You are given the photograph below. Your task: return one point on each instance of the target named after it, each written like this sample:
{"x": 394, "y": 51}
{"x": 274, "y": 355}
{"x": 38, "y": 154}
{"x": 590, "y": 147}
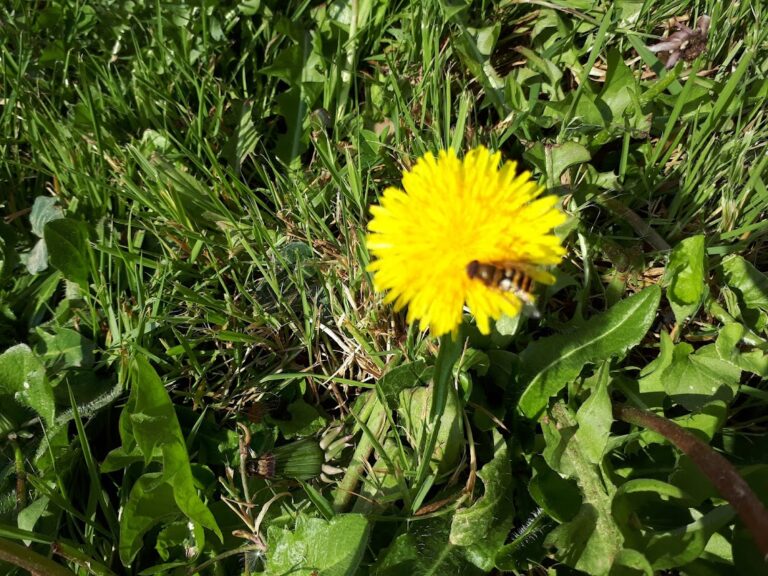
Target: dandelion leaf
{"x": 550, "y": 363}
{"x": 329, "y": 547}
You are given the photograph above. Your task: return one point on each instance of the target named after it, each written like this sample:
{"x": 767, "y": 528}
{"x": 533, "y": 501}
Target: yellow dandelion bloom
{"x": 451, "y": 213}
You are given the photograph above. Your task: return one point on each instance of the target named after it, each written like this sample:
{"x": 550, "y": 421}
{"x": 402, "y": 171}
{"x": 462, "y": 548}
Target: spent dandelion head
{"x": 453, "y": 214}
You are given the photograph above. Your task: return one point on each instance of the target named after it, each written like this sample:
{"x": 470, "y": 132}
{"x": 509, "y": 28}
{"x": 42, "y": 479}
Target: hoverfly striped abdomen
{"x": 507, "y": 276}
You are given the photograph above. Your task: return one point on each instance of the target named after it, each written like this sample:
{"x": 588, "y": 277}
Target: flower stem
{"x": 449, "y": 353}
{"x": 715, "y": 467}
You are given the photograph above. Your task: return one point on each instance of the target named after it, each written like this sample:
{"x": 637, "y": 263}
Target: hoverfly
{"x": 516, "y": 278}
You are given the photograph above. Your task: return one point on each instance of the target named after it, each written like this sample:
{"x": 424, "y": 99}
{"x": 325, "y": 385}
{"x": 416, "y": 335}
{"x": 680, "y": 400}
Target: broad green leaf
{"x": 67, "y": 242}
{"x": 414, "y": 407}
{"x": 474, "y": 523}
{"x": 620, "y": 89}
{"x": 750, "y": 286}
{"x": 408, "y": 375}
{"x": 65, "y": 348}
{"x": 331, "y": 548}
{"x": 28, "y": 517}
{"x": 244, "y": 137}
{"x": 630, "y": 498}
{"x": 550, "y": 363}
{"x": 554, "y": 159}
{"x": 729, "y": 348}
{"x": 484, "y": 526}
{"x": 651, "y": 381}
{"x": 120, "y": 458}
{"x": 631, "y": 563}
{"x": 591, "y": 540}
{"x": 746, "y": 557}
{"x": 424, "y": 550}
{"x": 150, "y": 502}
{"x": 22, "y": 376}
{"x": 685, "y": 277}
{"x": 559, "y": 497}
{"x": 45, "y": 209}
{"x": 560, "y": 157}
{"x": 595, "y": 418}
{"x": 451, "y": 8}
{"x": 150, "y": 419}
{"x": 694, "y": 379}
{"x": 305, "y": 420}
{"x": 180, "y": 541}
{"x": 678, "y": 547}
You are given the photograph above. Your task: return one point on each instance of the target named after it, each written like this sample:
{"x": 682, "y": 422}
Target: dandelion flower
{"x": 451, "y": 213}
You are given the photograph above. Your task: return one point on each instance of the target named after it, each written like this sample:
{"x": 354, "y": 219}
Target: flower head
{"x": 450, "y": 214}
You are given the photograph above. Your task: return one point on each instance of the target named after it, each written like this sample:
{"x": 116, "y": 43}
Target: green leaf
{"x": 22, "y": 375}
{"x": 678, "y": 547}
{"x": 729, "y": 348}
{"x": 595, "y": 418}
{"x": 44, "y": 210}
{"x": 150, "y": 419}
{"x": 244, "y": 137}
{"x": 330, "y": 548}
{"x": 305, "y": 420}
{"x": 750, "y": 286}
{"x": 485, "y": 525}
{"x": 150, "y": 502}
{"x": 64, "y": 349}
{"x": 474, "y": 523}
{"x": 620, "y": 89}
{"x": 414, "y": 409}
{"x": 631, "y": 500}
{"x": 630, "y": 562}
{"x": 180, "y": 541}
{"x": 408, "y": 375}
{"x": 67, "y": 242}
{"x": 554, "y": 159}
{"x": 559, "y": 497}
{"x": 424, "y": 550}
{"x": 591, "y": 540}
{"x": 694, "y": 379}
{"x": 28, "y": 517}
{"x": 685, "y": 276}
{"x": 651, "y": 382}
{"x": 550, "y": 363}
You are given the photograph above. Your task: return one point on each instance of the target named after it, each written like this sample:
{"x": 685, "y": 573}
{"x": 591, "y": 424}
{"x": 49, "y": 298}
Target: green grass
{"x": 214, "y": 162}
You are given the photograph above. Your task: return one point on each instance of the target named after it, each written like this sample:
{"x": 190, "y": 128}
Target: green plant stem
{"x": 715, "y": 467}
{"x": 21, "y": 473}
{"x": 82, "y": 560}
{"x": 449, "y": 353}
{"x": 373, "y": 414}
{"x": 28, "y": 559}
